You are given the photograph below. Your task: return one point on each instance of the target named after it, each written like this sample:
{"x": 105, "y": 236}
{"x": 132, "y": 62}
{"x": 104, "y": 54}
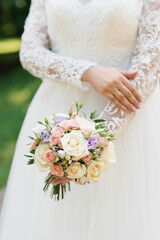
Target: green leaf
{"x": 31, "y": 137}
{"x": 46, "y": 120}
{"x": 30, "y": 162}
{"x": 93, "y": 115}
{"x": 99, "y": 120}
{"x": 42, "y": 123}
{"x": 33, "y": 151}
{"x": 81, "y": 161}
{"x": 27, "y": 155}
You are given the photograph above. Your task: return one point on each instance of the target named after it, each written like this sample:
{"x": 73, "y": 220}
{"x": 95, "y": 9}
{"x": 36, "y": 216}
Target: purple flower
{"x": 45, "y": 137}
{"x": 92, "y": 142}
{"x": 58, "y": 119}
{"x": 73, "y": 161}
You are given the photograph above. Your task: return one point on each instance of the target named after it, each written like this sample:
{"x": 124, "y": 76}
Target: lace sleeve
{"x": 39, "y": 60}
{"x": 145, "y": 59}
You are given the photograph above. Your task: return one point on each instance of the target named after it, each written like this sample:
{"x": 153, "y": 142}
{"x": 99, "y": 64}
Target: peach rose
{"x": 54, "y": 139}
{"x": 103, "y": 141}
{"x": 65, "y": 124}
{"x": 74, "y": 115}
{"x": 33, "y": 145}
{"x": 49, "y": 156}
{"x": 87, "y": 159}
{"x": 57, "y": 170}
{"x": 57, "y": 131}
{"x": 74, "y": 124}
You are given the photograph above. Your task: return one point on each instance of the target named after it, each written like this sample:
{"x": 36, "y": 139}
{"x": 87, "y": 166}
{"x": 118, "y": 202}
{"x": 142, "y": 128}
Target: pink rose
{"x": 87, "y": 159}
{"x": 60, "y": 143}
{"x": 54, "y": 139}
{"x": 74, "y": 115}
{"x": 50, "y": 145}
{"x": 33, "y": 145}
{"x": 85, "y": 131}
{"x": 49, "y": 156}
{"x": 57, "y": 170}
{"x": 57, "y": 131}
{"x": 65, "y": 124}
{"x": 74, "y": 124}
{"x": 103, "y": 141}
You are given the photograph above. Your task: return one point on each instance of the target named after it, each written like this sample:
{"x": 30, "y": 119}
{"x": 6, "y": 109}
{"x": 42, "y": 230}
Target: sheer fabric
{"x": 39, "y": 60}
{"x": 124, "y": 204}
{"x": 146, "y": 59}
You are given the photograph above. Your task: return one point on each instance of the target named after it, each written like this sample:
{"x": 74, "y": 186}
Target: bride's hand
{"x": 114, "y": 85}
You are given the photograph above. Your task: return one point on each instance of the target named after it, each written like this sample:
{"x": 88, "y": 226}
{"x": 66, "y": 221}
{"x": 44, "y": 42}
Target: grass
{"x": 9, "y": 45}
{"x": 17, "y": 88}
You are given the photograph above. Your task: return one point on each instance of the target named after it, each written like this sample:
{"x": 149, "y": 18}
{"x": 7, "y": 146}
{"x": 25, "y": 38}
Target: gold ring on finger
{"x": 116, "y": 92}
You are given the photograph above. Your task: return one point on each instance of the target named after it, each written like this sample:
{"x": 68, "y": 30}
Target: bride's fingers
{"x": 113, "y": 99}
{"x": 128, "y": 74}
{"x": 129, "y": 95}
{"x": 134, "y": 91}
{"x": 123, "y": 100}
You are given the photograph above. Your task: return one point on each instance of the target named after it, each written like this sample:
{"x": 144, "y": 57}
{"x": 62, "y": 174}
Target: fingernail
{"x": 141, "y": 99}
{"x": 133, "y": 109}
{"x": 138, "y": 105}
{"x": 124, "y": 108}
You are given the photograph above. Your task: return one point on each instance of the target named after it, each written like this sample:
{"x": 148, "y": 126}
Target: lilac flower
{"x": 58, "y": 119}
{"x": 92, "y": 142}
{"x": 73, "y": 161}
{"x": 45, "y": 137}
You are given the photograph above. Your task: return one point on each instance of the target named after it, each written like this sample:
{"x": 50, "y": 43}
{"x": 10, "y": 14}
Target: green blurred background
{"x": 17, "y": 86}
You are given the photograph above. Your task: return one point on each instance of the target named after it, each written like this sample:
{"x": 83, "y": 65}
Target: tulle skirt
{"x": 123, "y": 205}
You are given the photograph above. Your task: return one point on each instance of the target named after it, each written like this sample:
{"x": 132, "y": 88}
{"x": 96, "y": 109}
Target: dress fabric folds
{"x": 61, "y": 40}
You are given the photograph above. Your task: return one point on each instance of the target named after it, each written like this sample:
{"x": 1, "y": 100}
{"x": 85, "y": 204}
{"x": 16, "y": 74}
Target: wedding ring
{"x": 116, "y": 92}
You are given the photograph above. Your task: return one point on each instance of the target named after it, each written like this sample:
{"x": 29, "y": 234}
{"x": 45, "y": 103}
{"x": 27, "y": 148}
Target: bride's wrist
{"x": 87, "y": 75}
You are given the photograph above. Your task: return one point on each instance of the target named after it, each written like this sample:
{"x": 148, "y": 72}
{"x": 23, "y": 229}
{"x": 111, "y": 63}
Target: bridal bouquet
{"x": 72, "y": 146}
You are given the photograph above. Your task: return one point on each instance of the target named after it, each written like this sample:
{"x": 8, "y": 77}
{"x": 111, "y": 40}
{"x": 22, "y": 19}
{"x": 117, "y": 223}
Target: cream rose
{"x": 85, "y": 124}
{"x": 39, "y": 157}
{"x": 108, "y": 155}
{"x": 76, "y": 170}
{"x": 75, "y": 145}
{"x": 95, "y": 171}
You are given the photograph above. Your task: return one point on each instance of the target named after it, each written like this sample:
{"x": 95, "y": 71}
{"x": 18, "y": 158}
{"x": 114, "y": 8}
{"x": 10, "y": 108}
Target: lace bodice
{"x": 62, "y": 39}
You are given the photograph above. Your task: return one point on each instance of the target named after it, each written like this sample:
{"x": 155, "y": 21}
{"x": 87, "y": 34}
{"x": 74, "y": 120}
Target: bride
{"x": 105, "y": 54}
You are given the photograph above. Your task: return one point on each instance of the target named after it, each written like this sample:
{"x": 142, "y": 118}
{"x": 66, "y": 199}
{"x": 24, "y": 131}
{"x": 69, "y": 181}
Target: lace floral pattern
{"x": 146, "y": 59}
{"x": 39, "y": 60}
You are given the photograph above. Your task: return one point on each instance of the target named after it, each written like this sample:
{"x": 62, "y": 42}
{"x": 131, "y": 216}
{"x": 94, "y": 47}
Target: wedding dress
{"x": 62, "y": 39}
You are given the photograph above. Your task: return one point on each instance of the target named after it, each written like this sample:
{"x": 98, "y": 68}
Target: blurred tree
{"x": 12, "y": 16}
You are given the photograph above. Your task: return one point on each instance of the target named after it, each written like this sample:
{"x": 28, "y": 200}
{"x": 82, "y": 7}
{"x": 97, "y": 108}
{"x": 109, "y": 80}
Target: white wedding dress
{"x": 61, "y": 39}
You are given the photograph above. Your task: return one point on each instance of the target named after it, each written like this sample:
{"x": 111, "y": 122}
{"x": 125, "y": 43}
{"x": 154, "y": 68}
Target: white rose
{"x": 61, "y": 154}
{"x": 39, "y": 157}
{"x": 95, "y": 171}
{"x": 75, "y": 145}
{"x": 76, "y": 170}
{"x": 109, "y": 155}
{"x": 85, "y": 124}
{"x": 38, "y": 129}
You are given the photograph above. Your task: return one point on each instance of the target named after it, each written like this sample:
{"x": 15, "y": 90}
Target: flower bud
{"x": 67, "y": 157}
{"x": 71, "y": 110}
{"x": 103, "y": 134}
